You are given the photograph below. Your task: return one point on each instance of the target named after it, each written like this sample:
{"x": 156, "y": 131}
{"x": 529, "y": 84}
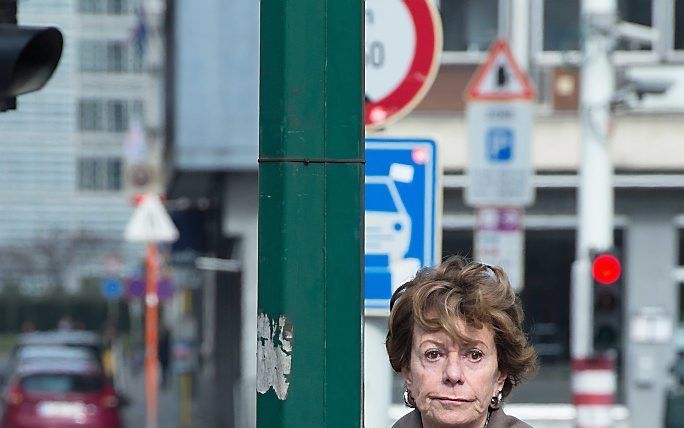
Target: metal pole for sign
{"x": 150, "y": 223}
{"x": 151, "y": 336}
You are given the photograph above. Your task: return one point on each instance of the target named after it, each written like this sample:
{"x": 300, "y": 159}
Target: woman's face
{"x": 451, "y": 382}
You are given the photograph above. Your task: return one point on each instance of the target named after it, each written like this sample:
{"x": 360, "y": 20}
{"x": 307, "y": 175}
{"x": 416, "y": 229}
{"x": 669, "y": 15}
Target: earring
{"x": 408, "y": 400}
{"x": 497, "y": 401}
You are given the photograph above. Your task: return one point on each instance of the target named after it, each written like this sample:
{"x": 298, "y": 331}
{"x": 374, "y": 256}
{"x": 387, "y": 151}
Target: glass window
{"x": 117, "y": 116}
{"x": 469, "y": 25}
{"x": 62, "y": 383}
{"x": 113, "y": 171}
{"x": 115, "y": 62}
{"x": 112, "y": 115}
{"x": 116, "y": 6}
{"x": 99, "y": 174}
{"x": 90, "y": 115}
{"x": 637, "y": 12}
{"x": 679, "y": 25}
{"x": 112, "y": 7}
{"x": 91, "y": 6}
{"x": 86, "y": 174}
{"x": 561, "y": 25}
{"x": 99, "y": 56}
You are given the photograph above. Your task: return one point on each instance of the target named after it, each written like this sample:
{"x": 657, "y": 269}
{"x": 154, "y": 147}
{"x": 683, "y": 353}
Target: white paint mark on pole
{"x": 274, "y": 355}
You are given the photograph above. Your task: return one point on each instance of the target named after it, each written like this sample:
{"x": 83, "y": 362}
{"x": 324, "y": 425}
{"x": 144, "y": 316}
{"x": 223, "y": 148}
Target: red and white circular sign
{"x": 403, "y": 47}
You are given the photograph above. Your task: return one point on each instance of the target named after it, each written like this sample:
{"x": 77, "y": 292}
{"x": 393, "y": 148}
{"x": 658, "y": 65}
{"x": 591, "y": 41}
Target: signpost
{"x": 150, "y": 223}
{"x": 500, "y": 240}
{"x": 403, "y": 48}
{"x": 500, "y": 116}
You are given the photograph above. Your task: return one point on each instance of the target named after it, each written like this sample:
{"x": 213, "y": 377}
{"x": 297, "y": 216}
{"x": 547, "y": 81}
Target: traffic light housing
{"x": 28, "y": 55}
{"x": 606, "y": 274}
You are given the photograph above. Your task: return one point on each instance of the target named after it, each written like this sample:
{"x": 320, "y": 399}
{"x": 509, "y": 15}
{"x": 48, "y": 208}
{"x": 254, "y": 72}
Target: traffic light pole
{"x": 595, "y": 195}
{"x": 311, "y": 175}
{"x": 595, "y": 192}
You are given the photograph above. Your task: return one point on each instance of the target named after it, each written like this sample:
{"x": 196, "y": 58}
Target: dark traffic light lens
{"x": 605, "y": 337}
{"x": 606, "y": 301}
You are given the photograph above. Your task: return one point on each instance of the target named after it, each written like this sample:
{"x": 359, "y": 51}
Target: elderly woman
{"x": 455, "y": 335}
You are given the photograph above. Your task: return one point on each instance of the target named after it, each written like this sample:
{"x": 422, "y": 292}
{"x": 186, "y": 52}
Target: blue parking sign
{"x": 499, "y": 144}
{"x": 401, "y": 232}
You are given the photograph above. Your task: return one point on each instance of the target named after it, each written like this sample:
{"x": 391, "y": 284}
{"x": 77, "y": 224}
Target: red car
{"x": 60, "y": 394}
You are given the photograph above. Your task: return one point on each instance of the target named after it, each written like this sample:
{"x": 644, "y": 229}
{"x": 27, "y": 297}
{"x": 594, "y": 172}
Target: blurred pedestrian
{"x": 164, "y": 354}
{"x": 455, "y": 335}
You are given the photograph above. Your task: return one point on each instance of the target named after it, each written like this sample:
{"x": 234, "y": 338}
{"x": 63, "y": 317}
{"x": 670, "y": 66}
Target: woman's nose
{"x": 453, "y": 370}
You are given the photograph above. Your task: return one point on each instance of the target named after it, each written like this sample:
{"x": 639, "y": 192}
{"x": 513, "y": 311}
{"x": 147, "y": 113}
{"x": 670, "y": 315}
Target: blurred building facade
{"x": 67, "y": 149}
{"x": 212, "y": 185}
{"x": 649, "y": 174}
{"x": 212, "y": 118}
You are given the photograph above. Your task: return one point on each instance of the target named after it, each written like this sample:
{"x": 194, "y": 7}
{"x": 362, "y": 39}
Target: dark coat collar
{"x": 498, "y": 419}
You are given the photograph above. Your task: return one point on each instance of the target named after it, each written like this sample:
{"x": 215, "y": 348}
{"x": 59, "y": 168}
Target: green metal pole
{"x": 311, "y": 176}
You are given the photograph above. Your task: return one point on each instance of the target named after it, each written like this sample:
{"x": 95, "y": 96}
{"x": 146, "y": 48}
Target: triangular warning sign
{"x": 150, "y": 222}
{"x": 500, "y": 77}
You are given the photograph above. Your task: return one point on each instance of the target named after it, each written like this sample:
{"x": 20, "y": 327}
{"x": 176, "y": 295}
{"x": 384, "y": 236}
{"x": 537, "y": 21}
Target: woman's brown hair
{"x": 476, "y": 293}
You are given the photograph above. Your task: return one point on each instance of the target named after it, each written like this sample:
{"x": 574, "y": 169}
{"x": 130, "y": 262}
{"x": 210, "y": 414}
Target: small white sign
{"x": 499, "y": 158}
{"x": 499, "y": 241}
{"x": 150, "y": 222}
{"x": 651, "y": 324}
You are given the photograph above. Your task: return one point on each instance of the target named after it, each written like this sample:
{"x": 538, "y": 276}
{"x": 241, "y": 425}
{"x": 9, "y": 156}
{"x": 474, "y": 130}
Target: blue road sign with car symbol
{"x": 400, "y": 215}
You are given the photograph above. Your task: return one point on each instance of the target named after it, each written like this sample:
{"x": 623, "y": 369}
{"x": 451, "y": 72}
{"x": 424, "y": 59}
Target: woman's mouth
{"x": 454, "y": 399}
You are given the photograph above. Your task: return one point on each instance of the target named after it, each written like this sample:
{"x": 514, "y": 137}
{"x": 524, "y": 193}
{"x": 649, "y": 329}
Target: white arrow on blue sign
{"x": 402, "y": 231}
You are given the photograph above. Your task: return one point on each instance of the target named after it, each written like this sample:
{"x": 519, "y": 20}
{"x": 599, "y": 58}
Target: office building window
{"x": 91, "y": 115}
{"x": 99, "y": 174}
{"x": 679, "y": 25}
{"x": 111, "y": 7}
{"x": 637, "y": 12}
{"x": 561, "y": 25}
{"x": 107, "y": 115}
{"x": 469, "y": 25}
{"x": 102, "y": 56}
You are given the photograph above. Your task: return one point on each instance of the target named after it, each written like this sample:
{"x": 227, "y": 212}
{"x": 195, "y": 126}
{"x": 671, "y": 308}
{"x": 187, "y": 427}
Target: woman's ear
{"x": 406, "y": 375}
{"x": 501, "y": 380}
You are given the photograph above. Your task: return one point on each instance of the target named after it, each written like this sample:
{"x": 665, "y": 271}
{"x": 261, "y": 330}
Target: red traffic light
{"x": 606, "y": 269}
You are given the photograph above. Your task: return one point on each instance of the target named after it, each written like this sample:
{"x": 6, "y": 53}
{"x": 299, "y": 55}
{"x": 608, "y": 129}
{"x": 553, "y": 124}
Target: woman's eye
{"x": 474, "y": 355}
{"x": 432, "y": 355}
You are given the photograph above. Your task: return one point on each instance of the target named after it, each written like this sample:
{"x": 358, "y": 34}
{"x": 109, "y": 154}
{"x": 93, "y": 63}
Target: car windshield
{"x": 61, "y": 383}
{"x": 378, "y": 198}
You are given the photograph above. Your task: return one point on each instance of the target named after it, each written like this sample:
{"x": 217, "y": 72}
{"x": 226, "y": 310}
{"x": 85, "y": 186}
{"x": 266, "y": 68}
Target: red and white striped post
{"x": 593, "y": 391}
{"x": 594, "y": 378}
